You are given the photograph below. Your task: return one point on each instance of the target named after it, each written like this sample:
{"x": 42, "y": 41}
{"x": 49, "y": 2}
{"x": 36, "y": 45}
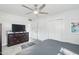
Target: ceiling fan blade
{"x": 43, "y": 12}
{"x": 35, "y": 6}
{"x": 28, "y": 13}
{"x": 27, "y": 7}
{"x": 41, "y": 7}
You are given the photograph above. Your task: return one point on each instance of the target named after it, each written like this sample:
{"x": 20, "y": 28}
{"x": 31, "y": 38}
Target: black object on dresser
{"x": 17, "y": 38}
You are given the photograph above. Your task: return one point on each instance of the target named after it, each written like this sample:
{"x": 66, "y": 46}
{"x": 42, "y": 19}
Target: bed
{"x": 51, "y": 47}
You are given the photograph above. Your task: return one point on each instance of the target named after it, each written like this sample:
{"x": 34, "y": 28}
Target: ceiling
{"x": 52, "y": 9}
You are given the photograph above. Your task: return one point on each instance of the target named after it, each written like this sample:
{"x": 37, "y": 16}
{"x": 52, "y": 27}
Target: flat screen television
{"x": 18, "y": 28}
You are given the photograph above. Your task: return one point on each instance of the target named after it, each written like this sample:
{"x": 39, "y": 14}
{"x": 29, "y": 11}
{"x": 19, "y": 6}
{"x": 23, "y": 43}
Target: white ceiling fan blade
{"x": 41, "y": 7}
{"x": 28, "y": 13}
{"x": 27, "y": 7}
{"x": 43, "y": 12}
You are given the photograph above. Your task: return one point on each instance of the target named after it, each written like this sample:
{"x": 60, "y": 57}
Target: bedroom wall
{"x": 7, "y": 20}
{"x": 57, "y": 27}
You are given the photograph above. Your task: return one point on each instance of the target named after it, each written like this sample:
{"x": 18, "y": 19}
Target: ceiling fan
{"x": 36, "y": 10}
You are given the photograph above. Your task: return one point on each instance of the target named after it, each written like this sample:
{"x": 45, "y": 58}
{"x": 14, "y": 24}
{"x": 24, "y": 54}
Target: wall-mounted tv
{"x": 18, "y": 28}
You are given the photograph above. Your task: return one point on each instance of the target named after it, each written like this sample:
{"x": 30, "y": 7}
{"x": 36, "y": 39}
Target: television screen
{"x": 18, "y": 28}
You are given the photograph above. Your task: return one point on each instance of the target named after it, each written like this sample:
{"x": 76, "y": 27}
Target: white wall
{"x": 7, "y": 20}
{"x": 58, "y": 27}
{"x": 51, "y": 27}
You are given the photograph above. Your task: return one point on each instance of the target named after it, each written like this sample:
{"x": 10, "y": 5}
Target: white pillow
{"x": 66, "y": 52}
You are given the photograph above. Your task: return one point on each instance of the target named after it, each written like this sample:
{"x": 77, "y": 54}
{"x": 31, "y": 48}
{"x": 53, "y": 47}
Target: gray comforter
{"x": 49, "y": 47}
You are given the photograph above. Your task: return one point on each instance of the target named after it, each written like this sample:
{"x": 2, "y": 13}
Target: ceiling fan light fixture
{"x": 36, "y": 12}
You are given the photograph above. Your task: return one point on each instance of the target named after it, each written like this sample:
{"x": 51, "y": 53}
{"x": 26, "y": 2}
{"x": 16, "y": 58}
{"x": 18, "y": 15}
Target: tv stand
{"x": 17, "y": 38}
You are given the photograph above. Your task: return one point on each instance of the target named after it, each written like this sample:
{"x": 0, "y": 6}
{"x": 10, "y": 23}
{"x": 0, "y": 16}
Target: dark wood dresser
{"x": 17, "y": 38}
